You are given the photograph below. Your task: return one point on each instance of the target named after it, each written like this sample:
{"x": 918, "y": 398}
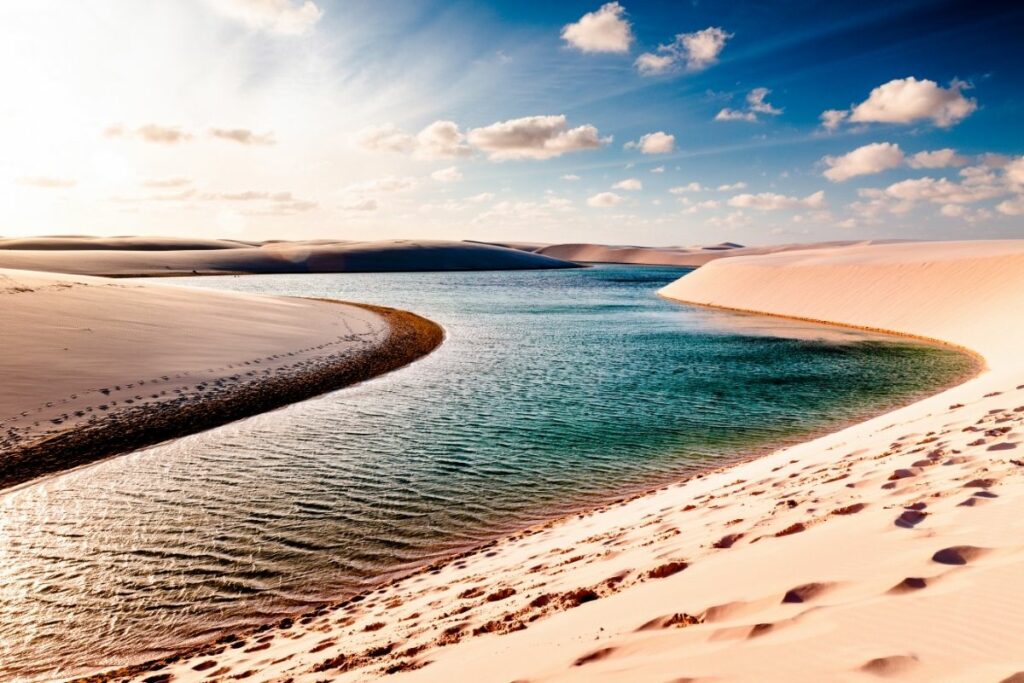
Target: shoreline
{"x": 409, "y": 338}
{"x": 814, "y": 562}
{"x": 217, "y": 644}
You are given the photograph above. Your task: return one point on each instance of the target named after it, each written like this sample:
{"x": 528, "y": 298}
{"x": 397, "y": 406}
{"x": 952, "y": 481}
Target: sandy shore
{"x": 94, "y": 367}
{"x": 166, "y": 256}
{"x": 890, "y": 549}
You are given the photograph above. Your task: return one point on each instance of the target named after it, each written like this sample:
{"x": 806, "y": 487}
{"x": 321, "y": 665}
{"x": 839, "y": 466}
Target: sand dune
{"x": 165, "y": 256}
{"x": 669, "y": 256}
{"x": 93, "y": 367}
{"x": 890, "y": 549}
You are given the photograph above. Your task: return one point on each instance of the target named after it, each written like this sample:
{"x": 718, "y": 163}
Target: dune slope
{"x": 890, "y": 549}
{"x": 127, "y": 257}
{"x": 93, "y": 367}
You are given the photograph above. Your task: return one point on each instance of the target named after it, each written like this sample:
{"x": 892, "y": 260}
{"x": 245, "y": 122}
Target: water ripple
{"x": 554, "y": 391}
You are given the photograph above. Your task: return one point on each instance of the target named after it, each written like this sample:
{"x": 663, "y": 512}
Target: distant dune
{"x": 137, "y": 256}
{"x": 663, "y": 256}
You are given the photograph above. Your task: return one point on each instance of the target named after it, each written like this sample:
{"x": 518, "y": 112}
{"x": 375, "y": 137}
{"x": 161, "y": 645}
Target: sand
{"x": 891, "y": 549}
{"x": 689, "y": 257}
{"x": 93, "y": 367}
{"x": 140, "y": 257}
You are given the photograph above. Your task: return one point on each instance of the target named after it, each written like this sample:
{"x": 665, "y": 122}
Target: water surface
{"x": 554, "y": 391}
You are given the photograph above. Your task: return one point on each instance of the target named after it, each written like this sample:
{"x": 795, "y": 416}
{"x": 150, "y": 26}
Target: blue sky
{"x": 514, "y": 120}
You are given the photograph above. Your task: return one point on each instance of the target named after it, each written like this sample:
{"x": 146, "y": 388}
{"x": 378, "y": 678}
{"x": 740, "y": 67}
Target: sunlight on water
{"x": 554, "y": 391}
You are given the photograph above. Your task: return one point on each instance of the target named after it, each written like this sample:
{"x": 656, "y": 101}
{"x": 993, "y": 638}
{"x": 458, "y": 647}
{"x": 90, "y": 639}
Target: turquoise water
{"x": 554, "y": 391}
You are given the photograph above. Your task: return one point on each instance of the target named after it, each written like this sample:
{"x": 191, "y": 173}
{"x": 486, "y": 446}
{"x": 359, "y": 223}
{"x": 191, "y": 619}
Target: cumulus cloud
{"x": 658, "y": 169}
{"x": 727, "y": 114}
{"x": 439, "y": 140}
{"x": 908, "y": 100}
{"x": 605, "y": 200}
{"x": 151, "y": 132}
{"x": 939, "y": 158}
{"x": 447, "y": 175}
{"x": 1013, "y": 171}
{"x": 534, "y": 137}
{"x": 604, "y": 30}
{"x": 658, "y": 142}
{"x": 285, "y": 17}
{"x": 728, "y": 187}
{"x": 1012, "y": 207}
{"x": 689, "y": 187}
{"x": 770, "y": 201}
{"x": 481, "y": 198}
{"x": 387, "y": 184}
{"x": 756, "y": 104}
{"x": 629, "y": 184}
{"x": 866, "y": 160}
{"x": 243, "y": 136}
{"x": 571, "y": 177}
{"x": 833, "y": 118}
{"x": 944, "y": 191}
{"x": 694, "y": 51}
{"x": 47, "y": 182}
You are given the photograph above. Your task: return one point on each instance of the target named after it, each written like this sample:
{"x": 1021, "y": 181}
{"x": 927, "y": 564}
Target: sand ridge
{"x": 890, "y": 549}
{"x": 95, "y": 367}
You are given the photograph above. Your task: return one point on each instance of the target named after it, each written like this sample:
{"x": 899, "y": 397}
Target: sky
{"x": 660, "y": 123}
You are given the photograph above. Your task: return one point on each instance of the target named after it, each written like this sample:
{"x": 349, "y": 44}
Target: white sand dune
{"x": 87, "y": 358}
{"x": 165, "y": 256}
{"x": 669, "y": 256}
{"x": 890, "y": 549}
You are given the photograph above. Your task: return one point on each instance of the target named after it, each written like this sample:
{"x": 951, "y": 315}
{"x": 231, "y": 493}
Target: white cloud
{"x": 534, "y": 137}
{"x": 447, "y": 175}
{"x": 604, "y": 30}
{"x": 699, "y": 206}
{"x": 277, "y": 16}
{"x": 629, "y": 184}
{"x": 944, "y": 191}
{"x": 696, "y": 51}
{"x": 939, "y": 158}
{"x": 969, "y": 215}
{"x": 832, "y": 118}
{"x": 1013, "y": 171}
{"x": 690, "y": 187}
{"x": 150, "y": 132}
{"x": 386, "y": 184}
{"x": 770, "y": 201}
{"x": 243, "y": 136}
{"x": 735, "y": 219}
{"x": 365, "y": 204}
{"x": 728, "y": 187}
{"x": 441, "y": 140}
{"x": 907, "y": 100}
{"x": 571, "y": 177}
{"x": 1012, "y": 207}
{"x": 727, "y": 114}
{"x": 658, "y": 169}
{"x": 481, "y": 198}
{"x": 658, "y": 142}
{"x": 866, "y": 160}
{"x": 47, "y": 182}
{"x": 756, "y": 102}
{"x": 605, "y": 200}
